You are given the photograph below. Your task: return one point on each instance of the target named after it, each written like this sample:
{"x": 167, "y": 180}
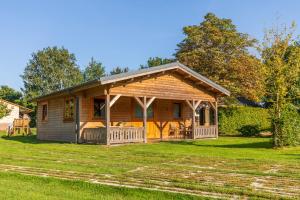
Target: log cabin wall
{"x": 54, "y": 127}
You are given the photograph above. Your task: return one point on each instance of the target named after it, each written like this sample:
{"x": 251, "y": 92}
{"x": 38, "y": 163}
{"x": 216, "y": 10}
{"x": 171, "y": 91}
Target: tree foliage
{"x": 93, "y": 70}
{"x": 156, "y": 61}
{"x": 9, "y": 94}
{"x": 215, "y": 49}
{"x": 49, "y": 70}
{"x": 4, "y": 111}
{"x": 119, "y": 70}
{"x": 281, "y": 57}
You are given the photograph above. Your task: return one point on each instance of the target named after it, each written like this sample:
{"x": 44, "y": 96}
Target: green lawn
{"x": 17, "y": 186}
{"x": 221, "y": 168}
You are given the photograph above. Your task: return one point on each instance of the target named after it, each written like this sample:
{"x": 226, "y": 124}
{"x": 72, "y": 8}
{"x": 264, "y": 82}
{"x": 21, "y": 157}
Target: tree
{"x": 49, "y": 70}
{"x": 281, "y": 57}
{"x": 94, "y": 70}
{"x": 10, "y": 94}
{"x": 295, "y": 91}
{"x": 119, "y": 70}
{"x": 215, "y": 49}
{"x": 156, "y": 61}
{"x": 4, "y": 111}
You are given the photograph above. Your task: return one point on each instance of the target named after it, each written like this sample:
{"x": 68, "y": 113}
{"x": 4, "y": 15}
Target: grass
{"x": 227, "y": 166}
{"x": 17, "y": 186}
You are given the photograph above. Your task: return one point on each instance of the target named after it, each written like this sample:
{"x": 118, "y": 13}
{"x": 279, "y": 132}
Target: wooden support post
{"x": 207, "y": 117}
{"x": 107, "y": 117}
{"x": 145, "y": 118}
{"x": 77, "y": 124}
{"x": 194, "y": 105}
{"x": 216, "y": 119}
{"x": 193, "y": 120}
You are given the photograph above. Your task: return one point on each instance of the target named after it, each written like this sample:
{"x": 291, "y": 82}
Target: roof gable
{"x": 167, "y": 85}
{"x": 196, "y": 77}
{"x": 161, "y": 68}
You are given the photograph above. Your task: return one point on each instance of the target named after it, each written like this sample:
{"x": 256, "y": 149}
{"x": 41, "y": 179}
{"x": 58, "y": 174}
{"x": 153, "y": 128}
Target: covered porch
{"x": 133, "y": 119}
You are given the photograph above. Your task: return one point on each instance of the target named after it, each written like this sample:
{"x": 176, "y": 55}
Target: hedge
{"x": 243, "y": 120}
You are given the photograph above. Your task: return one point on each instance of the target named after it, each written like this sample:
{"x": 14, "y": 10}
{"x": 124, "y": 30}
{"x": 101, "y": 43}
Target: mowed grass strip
{"x": 229, "y": 165}
{"x": 23, "y": 187}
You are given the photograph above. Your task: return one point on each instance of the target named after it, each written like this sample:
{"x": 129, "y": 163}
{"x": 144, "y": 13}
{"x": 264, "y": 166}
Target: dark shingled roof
{"x": 142, "y": 72}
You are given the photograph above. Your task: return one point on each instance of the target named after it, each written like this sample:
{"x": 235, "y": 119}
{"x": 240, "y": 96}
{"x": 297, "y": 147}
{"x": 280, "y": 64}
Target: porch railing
{"x": 206, "y": 132}
{"x": 119, "y": 135}
{"x": 94, "y": 135}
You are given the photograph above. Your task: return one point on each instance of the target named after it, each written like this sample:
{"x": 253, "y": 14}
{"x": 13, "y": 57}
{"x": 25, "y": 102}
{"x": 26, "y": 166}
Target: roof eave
{"x": 67, "y": 90}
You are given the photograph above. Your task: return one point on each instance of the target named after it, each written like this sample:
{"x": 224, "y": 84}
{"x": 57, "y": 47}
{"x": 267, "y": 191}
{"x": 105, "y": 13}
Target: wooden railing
{"x": 120, "y": 135}
{"x": 206, "y": 132}
{"x": 94, "y": 135}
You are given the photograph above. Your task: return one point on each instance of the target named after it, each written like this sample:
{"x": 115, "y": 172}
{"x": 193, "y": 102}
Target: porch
{"x": 158, "y": 119}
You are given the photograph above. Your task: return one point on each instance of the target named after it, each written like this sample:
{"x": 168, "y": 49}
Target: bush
{"x": 249, "y": 130}
{"x": 243, "y": 120}
{"x": 290, "y": 125}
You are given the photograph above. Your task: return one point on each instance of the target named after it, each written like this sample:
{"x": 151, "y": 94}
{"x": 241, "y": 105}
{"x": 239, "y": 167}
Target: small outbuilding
{"x": 165, "y": 102}
{"x": 15, "y": 112}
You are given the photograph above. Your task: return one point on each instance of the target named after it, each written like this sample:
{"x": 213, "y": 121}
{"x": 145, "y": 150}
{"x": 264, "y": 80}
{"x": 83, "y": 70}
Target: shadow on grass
{"x": 31, "y": 139}
{"x": 265, "y": 144}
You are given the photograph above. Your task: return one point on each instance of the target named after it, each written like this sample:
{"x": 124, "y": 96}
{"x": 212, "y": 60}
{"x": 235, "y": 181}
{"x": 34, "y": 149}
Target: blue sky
{"x": 119, "y": 33}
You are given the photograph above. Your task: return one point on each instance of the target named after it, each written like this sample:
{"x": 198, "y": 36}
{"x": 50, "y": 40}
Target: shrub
{"x": 290, "y": 119}
{"x": 249, "y": 130}
{"x": 243, "y": 120}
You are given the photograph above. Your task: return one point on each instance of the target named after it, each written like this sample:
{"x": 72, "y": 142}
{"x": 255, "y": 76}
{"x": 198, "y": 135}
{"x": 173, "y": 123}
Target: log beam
{"x": 150, "y": 102}
{"x": 139, "y": 101}
{"x": 113, "y": 101}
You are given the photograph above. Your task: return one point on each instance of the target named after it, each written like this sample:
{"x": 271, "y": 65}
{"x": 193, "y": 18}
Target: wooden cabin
{"x": 165, "y": 102}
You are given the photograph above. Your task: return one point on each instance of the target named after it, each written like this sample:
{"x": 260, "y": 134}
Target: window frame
{"x": 69, "y": 119}
{"x": 180, "y": 110}
{"x": 93, "y": 109}
{"x": 45, "y": 119}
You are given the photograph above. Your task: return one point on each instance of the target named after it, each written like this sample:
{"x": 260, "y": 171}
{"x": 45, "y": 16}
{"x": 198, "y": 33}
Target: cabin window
{"x": 201, "y": 114}
{"x": 44, "y": 112}
{"x": 99, "y": 108}
{"x": 139, "y": 112}
{"x": 177, "y": 110}
{"x": 69, "y": 109}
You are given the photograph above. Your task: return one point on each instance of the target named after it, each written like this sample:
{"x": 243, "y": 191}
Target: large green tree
{"x": 93, "y": 70}
{"x": 119, "y": 70}
{"x": 215, "y": 49}
{"x": 156, "y": 61}
{"x": 49, "y": 70}
{"x": 10, "y": 94}
{"x": 4, "y": 111}
{"x": 281, "y": 57}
